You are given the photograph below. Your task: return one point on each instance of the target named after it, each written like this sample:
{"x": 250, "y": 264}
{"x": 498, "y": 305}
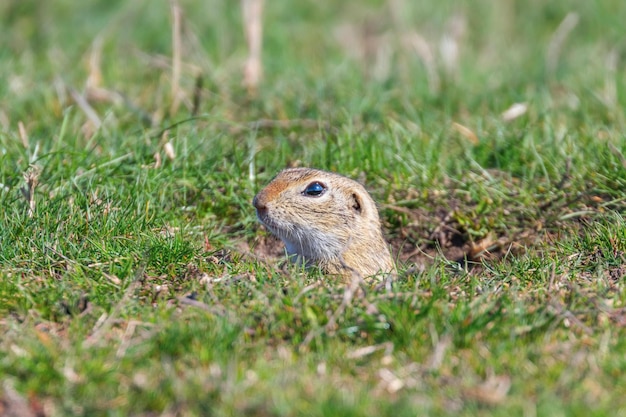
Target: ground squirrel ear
{"x": 356, "y": 203}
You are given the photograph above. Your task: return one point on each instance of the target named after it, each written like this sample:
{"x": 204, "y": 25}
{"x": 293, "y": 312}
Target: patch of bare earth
{"x": 265, "y": 246}
{"x": 435, "y": 229}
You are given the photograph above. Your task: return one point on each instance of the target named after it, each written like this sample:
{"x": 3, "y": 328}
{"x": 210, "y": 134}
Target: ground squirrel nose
{"x": 258, "y": 203}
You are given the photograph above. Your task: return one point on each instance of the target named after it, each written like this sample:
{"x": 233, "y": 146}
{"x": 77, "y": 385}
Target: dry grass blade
{"x": 516, "y": 110}
{"x": 439, "y": 352}
{"x": 424, "y": 52}
{"x": 128, "y": 336}
{"x": 94, "y": 79}
{"x": 82, "y": 103}
{"x": 368, "y": 45}
{"x": 558, "y": 40}
{"x": 31, "y": 176}
{"x": 176, "y": 55}
{"x": 253, "y": 27}
{"x": 168, "y": 148}
{"x": 390, "y": 381}
{"x": 368, "y": 350}
{"x": 466, "y": 132}
{"x": 23, "y": 134}
{"x": 450, "y": 45}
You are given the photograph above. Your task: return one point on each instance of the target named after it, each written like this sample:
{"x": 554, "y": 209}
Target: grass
{"x": 140, "y": 282}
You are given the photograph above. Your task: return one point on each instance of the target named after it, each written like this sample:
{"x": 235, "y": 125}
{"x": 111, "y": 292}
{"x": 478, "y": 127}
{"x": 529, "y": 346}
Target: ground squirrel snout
{"x": 325, "y": 219}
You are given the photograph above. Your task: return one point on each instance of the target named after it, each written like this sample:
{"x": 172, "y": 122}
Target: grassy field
{"x": 135, "y": 279}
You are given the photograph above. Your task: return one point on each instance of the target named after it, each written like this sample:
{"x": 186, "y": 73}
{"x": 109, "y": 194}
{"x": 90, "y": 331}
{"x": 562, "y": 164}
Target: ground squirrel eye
{"x": 314, "y": 189}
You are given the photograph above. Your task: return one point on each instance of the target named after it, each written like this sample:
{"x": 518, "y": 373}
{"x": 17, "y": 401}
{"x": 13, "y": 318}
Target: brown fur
{"x": 338, "y": 230}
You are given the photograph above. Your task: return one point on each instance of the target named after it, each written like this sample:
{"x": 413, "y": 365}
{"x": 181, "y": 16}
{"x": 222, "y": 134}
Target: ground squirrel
{"x": 325, "y": 219}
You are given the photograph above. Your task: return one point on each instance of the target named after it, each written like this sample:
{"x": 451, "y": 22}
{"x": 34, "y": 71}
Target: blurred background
{"x": 373, "y": 59}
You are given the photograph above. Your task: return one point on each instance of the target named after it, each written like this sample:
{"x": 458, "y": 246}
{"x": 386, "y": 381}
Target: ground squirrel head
{"x": 326, "y": 219}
